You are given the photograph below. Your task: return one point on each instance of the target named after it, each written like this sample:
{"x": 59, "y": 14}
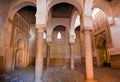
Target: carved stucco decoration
{"x": 19, "y": 42}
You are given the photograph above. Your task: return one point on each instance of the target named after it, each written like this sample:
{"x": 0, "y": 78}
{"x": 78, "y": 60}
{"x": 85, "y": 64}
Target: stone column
{"x": 71, "y": 56}
{"x": 39, "y": 55}
{"x": 48, "y": 55}
{"x": 88, "y": 57}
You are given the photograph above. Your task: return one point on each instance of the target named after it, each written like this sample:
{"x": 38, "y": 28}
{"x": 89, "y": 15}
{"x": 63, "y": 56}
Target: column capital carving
{"x": 49, "y": 38}
{"x": 88, "y": 22}
{"x": 90, "y": 30}
{"x": 71, "y": 39}
{"x": 87, "y": 31}
{"x": 48, "y": 42}
{"x": 40, "y": 27}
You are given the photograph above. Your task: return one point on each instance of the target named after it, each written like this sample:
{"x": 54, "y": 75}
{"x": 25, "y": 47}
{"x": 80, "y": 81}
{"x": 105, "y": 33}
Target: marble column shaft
{"x": 71, "y": 56}
{"x": 88, "y": 57}
{"x": 39, "y": 56}
{"x": 48, "y": 56}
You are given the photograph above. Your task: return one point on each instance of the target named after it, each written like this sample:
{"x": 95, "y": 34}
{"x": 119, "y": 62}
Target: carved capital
{"x": 40, "y": 27}
{"x": 72, "y": 39}
{"x": 87, "y": 31}
{"x": 40, "y": 30}
{"x": 49, "y": 38}
{"x": 49, "y": 42}
{"x": 88, "y": 22}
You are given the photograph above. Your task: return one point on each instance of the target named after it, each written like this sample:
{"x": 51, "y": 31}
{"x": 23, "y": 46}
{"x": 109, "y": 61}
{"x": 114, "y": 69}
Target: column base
{"x": 92, "y": 80}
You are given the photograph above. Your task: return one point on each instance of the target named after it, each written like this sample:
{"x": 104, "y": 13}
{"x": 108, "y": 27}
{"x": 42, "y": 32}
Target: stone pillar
{"x": 88, "y": 57}
{"x": 39, "y": 55}
{"x": 48, "y": 55}
{"x": 71, "y": 56}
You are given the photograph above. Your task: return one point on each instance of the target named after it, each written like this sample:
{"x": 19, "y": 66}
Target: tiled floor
{"x": 62, "y": 74}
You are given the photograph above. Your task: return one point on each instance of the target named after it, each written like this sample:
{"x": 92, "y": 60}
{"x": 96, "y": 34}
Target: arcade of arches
{"x": 51, "y": 34}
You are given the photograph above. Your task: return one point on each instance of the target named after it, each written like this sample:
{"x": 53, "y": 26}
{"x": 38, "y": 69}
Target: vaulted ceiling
{"x": 112, "y": 2}
{"x": 115, "y": 7}
{"x": 62, "y": 10}
{"x": 109, "y": 6}
{"x": 28, "y": 13}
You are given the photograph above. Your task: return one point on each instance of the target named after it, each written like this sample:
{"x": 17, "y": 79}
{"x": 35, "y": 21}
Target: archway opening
{"x": 60, "y": 15}
{"x": 102, "y": 36}
{"x": 60, "y": 47}
{"x": 24, "y": 25}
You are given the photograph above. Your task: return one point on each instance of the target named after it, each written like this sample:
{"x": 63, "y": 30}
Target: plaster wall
{"x": 115, "y": 33}
{"x": 58, "y": 21}
{"x": 4, "y": 7}
{"x": 115, "y": 51}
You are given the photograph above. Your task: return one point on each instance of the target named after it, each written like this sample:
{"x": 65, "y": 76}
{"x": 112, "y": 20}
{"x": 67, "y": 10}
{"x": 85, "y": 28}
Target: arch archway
{"x": 59, "y": 47}
{"x": 102, "y": 38}
{"x": 20, "y": 55}
{"x": 19, "y": 5}
{"x": 74, "y": 3}
{"x": 75, "y": 21}
{"x": 52, "y": 22}
{"x": 103, "y": 57}
{"x": 13, "y": 10}
{"x": 20, "y": 29}
{"x": 106, "y": 8}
